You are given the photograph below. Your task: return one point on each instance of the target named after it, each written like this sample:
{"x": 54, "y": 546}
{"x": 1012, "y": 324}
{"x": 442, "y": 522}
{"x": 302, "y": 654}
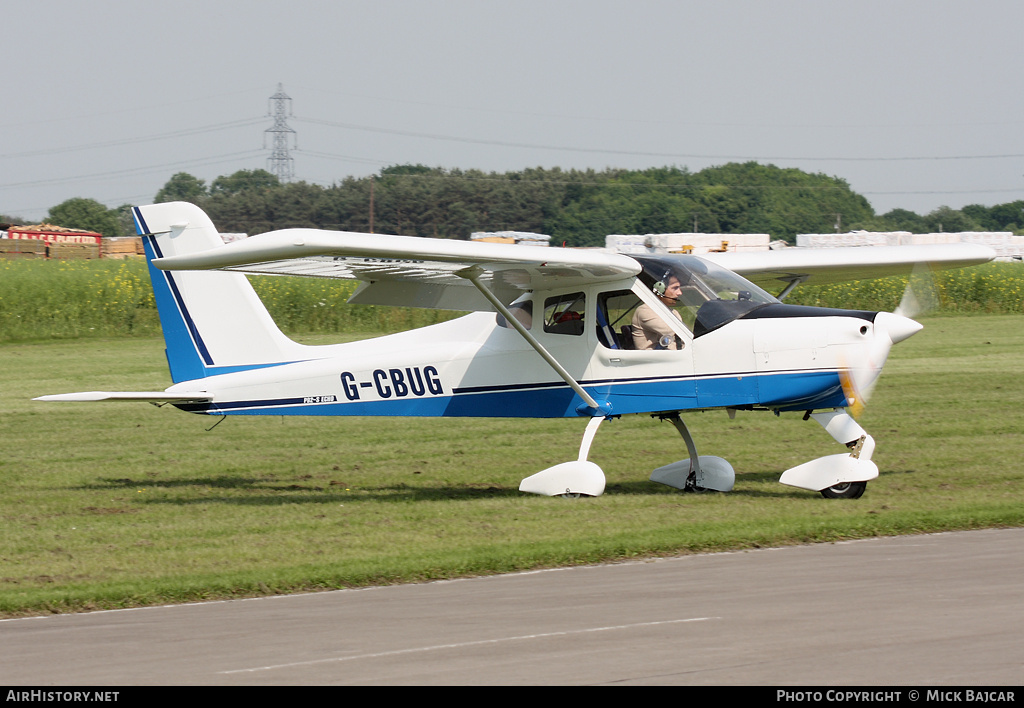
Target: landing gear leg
{"x": 843, "y": 476}
{"x": 696, "y": 473}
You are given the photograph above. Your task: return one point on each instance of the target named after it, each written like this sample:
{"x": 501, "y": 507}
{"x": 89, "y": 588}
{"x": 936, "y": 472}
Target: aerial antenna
{"x": 280, "y": 162}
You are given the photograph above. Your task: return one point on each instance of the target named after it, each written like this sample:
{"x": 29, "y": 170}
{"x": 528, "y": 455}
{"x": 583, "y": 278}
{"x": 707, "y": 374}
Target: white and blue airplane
{"x": 552, "y": 333}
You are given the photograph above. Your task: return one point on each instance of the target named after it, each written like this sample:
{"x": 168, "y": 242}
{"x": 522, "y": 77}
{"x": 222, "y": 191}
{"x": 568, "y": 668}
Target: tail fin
{"x": 213, "y": 321}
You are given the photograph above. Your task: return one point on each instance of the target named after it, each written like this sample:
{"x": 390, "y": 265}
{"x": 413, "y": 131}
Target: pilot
{"x": 650, "y": 330}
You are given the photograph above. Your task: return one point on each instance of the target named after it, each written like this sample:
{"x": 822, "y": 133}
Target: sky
{"x": 917, "y": 104}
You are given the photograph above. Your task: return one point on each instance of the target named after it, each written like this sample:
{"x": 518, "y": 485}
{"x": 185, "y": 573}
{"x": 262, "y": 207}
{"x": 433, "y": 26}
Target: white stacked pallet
{"x": 524, "y": 237}
{"x": 852, "y": 238}
{"x": 1006, "y": 245}
{"x": 697, "y": 243}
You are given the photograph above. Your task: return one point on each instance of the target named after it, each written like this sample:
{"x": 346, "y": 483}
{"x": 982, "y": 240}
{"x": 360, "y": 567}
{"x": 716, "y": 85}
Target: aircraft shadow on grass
{"x": 261, "y": 491}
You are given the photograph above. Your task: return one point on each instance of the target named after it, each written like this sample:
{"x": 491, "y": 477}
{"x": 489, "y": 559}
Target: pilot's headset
{"x": 661, "y": 286}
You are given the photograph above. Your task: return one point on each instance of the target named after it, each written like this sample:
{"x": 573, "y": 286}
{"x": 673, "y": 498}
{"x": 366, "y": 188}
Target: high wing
{"x": 424, "y": 272}
{"x": 410, "y": 271}
{"x": 817, "y": 266}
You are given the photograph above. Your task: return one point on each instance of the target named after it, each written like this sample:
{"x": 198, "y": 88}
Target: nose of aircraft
{"x": 859, "y": 380}
{"x": 897, "y": 327}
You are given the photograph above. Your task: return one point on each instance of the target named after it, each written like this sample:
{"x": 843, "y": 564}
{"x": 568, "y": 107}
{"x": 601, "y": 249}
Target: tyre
{"x": 846, "y": 490}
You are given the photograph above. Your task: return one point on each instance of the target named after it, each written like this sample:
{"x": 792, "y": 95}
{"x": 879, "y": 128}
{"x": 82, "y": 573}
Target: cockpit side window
{"x": 564, "y": 314}
{"x": 614, "y": 318}
{"x": 707, "y": 296}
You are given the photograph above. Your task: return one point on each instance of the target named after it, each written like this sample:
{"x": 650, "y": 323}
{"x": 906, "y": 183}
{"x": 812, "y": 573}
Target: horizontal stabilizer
{"x": 151, "y": 396}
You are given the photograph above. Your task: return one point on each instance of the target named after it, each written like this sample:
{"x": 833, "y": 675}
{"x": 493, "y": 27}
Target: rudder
{"x": 213, "y": 321}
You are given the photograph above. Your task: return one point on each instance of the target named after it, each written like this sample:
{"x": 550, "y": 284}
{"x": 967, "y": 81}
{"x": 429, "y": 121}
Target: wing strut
{"x": 793, "y": 282}
{"x": 473, "y": 274}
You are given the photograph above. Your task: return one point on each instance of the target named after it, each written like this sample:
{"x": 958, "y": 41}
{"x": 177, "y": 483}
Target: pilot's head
{"x": 668, "y": 289}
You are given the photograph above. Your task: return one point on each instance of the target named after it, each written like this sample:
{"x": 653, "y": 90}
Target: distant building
{"x": 1006, "y": 245}
{"x": 521, "y": 237}
{"x": 693, "y": 243}
{"x": 49, "y": 241}
{"x": 50, "y": 233}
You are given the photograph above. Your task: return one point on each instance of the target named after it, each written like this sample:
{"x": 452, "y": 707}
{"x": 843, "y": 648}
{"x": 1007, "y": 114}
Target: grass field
{"x": 117, "y": 504}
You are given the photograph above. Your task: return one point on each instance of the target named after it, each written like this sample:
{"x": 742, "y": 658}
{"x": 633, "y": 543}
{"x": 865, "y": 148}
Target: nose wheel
{"x": 842, "y": 476}
{"x": 846, "y": 490}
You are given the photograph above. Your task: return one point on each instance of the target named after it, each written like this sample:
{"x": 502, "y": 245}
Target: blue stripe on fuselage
{"x": 785, "y": 391}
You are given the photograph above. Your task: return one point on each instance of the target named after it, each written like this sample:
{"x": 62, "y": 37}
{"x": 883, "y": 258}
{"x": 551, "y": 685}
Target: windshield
{"x": 710, "y": 296}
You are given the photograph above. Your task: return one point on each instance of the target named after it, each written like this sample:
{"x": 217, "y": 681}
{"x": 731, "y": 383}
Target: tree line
{"x": 575, "y": 207}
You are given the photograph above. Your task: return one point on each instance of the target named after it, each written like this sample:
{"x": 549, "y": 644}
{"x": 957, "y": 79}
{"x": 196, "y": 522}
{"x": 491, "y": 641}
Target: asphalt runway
{"x": 934, "y": 610}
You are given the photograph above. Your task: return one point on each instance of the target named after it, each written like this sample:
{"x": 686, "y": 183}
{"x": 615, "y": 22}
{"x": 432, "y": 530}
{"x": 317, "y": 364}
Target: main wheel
{"x": 846, "y": 490}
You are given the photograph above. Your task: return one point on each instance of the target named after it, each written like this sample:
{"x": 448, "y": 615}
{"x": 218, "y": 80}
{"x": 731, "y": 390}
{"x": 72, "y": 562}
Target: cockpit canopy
{"x": 714, "y": 295}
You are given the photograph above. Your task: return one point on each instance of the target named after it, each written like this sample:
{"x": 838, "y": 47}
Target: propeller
{"x": 859, "y": 380}
{"x": 889, "y": 328}
{"x": 921, "y": 294}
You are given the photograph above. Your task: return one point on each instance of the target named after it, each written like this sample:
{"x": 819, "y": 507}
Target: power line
{"x": 673, "y": 121}
{"x": 633, "y": 153}
{"x": 229, "y": 157}
{"x": 132, "y": 141}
